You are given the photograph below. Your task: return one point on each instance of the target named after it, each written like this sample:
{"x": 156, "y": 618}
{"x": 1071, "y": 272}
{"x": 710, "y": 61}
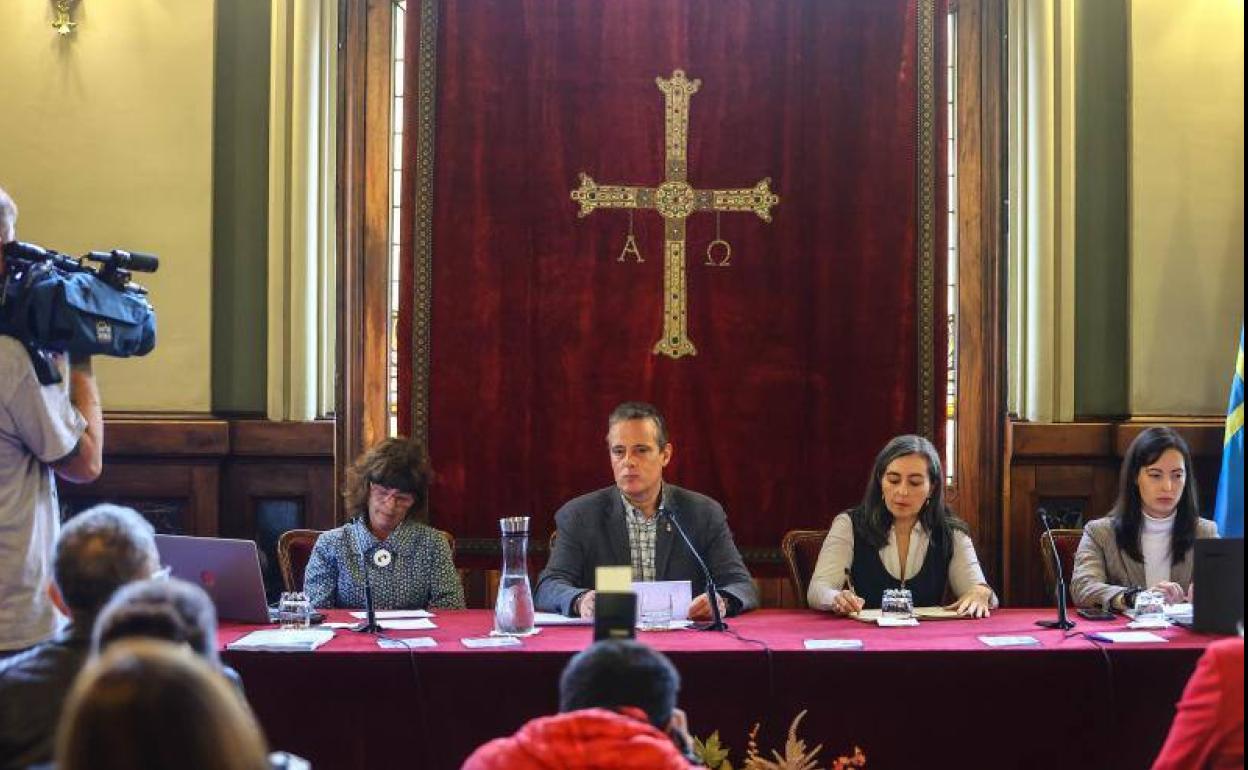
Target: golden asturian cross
{"x": 675, "y": 200}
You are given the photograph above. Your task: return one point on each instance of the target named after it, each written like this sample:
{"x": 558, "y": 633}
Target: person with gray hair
{"x": 45, "y": 431}
{"x": 98, "y": 551}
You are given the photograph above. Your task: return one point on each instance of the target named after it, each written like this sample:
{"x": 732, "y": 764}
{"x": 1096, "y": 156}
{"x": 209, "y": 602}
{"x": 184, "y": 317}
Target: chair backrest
{"x": 1067, "y": 542}
{"x": 294, "y": 548}
{"x": 801, "y": 552}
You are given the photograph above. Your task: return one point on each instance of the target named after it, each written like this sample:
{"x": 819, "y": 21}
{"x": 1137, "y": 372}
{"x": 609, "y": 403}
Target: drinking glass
{"x": 1150, "y": 606}
{"x": 294, "y": 610}
{"x": 897, "y": 603}
{"x": 655, "y": 613}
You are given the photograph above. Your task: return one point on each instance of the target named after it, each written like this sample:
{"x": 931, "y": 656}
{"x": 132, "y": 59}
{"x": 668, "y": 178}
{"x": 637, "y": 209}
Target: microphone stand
{"x": 1062, "y": 621}
{"x": 369, "y": 625}
{"x": 717, "y": 619}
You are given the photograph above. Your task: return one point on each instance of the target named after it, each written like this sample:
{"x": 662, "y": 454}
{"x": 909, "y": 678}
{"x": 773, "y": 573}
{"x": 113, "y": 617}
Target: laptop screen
{"x": 229, "y": 570}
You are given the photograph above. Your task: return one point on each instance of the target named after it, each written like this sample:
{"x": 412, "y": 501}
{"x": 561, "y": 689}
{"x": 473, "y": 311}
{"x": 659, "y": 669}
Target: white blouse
{"x": 1155, "y": 545}
{"x": 837, "y": 555}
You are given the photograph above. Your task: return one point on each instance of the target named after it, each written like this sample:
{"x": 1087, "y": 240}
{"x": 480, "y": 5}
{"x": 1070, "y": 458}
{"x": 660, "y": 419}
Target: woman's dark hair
{"x": 872, "y": 519}
{"x": 1128, "y": 512}
{"x": 398, "y": 463}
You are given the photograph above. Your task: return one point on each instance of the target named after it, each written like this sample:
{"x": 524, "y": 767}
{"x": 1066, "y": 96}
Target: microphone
{"x": 717, "y": 620}
{"x": 1062, "y": 621}
{"x": 369, "y": 625}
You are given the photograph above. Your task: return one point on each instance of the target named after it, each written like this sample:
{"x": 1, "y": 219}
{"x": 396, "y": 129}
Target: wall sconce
{"x": 61, "y": 11}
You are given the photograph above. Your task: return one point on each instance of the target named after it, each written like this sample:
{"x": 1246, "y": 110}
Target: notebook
{"x": 229, "y": 570}
{"x": 1218, "y": 577}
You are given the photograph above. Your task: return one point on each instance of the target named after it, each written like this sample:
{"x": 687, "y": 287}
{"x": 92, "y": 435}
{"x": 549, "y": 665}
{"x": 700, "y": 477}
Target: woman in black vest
{"x": 901, "y": 536}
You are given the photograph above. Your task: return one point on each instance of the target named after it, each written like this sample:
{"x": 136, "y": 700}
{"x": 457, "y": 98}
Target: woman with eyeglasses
{"x": 408, "y": 562}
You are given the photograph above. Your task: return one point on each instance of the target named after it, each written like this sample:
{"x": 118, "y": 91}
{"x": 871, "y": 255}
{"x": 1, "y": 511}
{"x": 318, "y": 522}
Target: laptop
{"x": 229, "y": 570}
{"x": 1218, "y": 576}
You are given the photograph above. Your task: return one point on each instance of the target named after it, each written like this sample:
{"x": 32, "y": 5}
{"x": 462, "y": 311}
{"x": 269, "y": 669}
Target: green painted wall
{"x": 240, "y": 207}
{"x": 1102, "y": 217}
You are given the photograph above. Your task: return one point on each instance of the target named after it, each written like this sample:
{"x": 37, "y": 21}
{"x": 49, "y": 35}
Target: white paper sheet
{"x": 414, "y": 642}
{"x": 833, "y": 644}
{"x": 555, "y": 619}
{"x": 1009, "y": 641}
{"x": 283, "y": 639}
{"x": 1127, "y": 637}
{"x": 680, "y": 592}
{"x": 395, "y": 614}
{"x": 407, "y": 624}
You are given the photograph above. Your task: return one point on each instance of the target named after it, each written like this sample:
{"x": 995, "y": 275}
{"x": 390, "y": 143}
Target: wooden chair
{"x": 294, "y": 548}
{"x": 801, "y": 552}
{"x": 1067, "y": 542}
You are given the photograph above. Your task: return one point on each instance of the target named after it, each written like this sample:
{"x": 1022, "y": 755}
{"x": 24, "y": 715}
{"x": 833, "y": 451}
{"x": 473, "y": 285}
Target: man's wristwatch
{"x": 1128, "y": 599}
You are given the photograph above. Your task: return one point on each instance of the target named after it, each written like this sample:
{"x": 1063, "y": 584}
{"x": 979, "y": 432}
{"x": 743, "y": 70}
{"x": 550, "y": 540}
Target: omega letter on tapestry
{"x": 675, "y": 200}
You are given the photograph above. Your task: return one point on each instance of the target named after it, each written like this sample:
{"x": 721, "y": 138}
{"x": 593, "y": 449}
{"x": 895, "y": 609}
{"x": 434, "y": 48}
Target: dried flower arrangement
{"x": 715, "y": 755}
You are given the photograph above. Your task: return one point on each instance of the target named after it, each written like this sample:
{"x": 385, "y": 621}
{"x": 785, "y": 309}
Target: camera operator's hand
{"x": 85, "y": 462}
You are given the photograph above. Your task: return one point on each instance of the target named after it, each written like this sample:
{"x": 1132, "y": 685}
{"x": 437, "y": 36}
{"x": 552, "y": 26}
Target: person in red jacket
{"x": 617, "y": 703}
{"x": 1208, "y": 728}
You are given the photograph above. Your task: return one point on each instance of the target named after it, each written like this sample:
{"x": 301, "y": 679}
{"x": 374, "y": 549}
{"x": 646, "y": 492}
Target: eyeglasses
{"x": 382, "y": 492}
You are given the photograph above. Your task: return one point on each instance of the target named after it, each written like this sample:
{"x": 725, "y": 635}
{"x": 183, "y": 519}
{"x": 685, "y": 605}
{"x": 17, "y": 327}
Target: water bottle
{"x": 513, "y": 610}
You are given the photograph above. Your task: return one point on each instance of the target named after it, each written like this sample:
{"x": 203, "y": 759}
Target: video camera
{"x": 53, "y": 303}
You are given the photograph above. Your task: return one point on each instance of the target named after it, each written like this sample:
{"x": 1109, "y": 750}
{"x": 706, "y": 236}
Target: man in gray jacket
{"x": 629, "y": 524}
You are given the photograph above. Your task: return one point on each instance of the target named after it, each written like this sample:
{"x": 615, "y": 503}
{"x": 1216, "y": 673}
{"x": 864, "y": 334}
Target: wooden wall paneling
{"x": 190, "y": 485}
{"x": 1078, "y": 465}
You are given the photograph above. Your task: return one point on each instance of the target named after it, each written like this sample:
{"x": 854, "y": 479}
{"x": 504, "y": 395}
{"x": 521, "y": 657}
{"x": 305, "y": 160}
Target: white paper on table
{"x": 885, "y": 622}
{"x": 283, "y": 639}
{"x": 679, "y": 591}
{"x": 395, "y": 614}
{"x": 833, "y": 644}
{"x": 490, "y": 641}
{"x": 555, "y": 619}
{"x": 336, "y": 625}
{"x": 1009, "y": 641}
{"x": 1127, "y": 637}
{"x": 1159, "y": 621}
{"x": 414, "y": 642}
{"x": 407, "y": 624}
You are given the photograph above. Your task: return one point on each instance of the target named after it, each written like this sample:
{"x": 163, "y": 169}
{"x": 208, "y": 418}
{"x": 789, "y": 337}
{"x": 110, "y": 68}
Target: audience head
{"x": 8, "y": 220}
{"x": 100, "y": 550}
{"x": 1156, "y": 481}
{"x": 390, "y": 479}
{"x": 618, "y": 672}
{"x": 172, "y": 610}
{"x": 906, "y": 481}
{"x": 147, "y": 704}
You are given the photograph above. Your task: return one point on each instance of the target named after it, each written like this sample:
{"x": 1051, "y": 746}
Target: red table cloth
{"x": 932, "y": 695}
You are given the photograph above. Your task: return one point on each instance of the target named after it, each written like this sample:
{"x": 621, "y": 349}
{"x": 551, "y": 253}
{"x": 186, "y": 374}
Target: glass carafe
{"x": 513, "y": 610}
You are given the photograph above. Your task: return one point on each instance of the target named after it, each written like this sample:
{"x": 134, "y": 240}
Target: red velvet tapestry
{"x": 522, "y": 323}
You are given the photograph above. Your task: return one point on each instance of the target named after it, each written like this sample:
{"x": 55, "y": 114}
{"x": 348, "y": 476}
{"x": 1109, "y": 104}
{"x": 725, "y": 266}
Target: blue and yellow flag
{"x": 1229, "y": 513}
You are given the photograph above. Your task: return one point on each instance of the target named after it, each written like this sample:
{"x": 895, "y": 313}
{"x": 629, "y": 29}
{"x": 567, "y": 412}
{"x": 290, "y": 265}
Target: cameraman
{"x": 44, "y": 429}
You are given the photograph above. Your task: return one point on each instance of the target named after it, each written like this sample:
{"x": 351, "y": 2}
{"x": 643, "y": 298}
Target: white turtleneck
{"x": 1155, "y": 544}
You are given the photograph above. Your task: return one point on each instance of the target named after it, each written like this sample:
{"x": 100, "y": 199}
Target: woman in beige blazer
{"x": 1146, "y": 540}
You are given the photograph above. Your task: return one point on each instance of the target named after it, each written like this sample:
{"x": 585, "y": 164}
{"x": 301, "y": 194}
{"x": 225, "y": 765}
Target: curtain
{"x": 523, "y": 324}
